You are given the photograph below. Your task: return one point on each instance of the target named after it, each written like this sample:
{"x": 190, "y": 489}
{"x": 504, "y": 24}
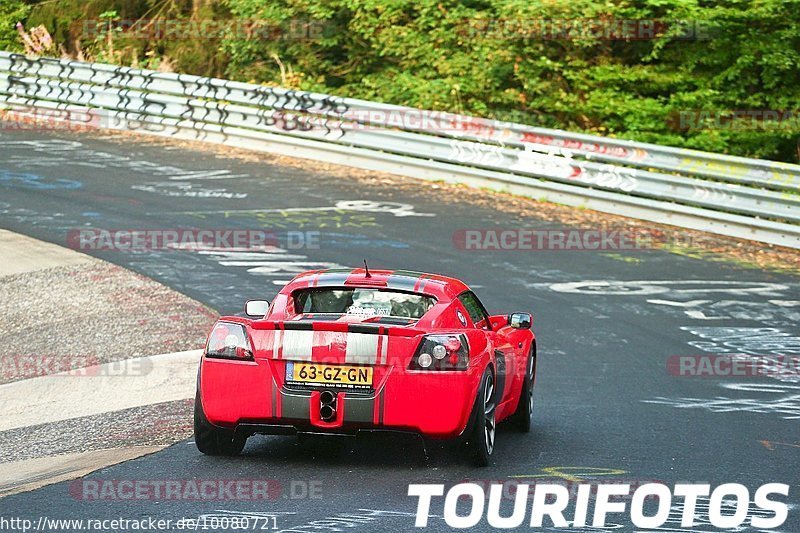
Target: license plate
{"x": 315, "y": 375}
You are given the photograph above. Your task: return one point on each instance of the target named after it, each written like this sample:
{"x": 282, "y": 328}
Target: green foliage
{"x": 11, "y": 12}
{"x": 496, "y": 58}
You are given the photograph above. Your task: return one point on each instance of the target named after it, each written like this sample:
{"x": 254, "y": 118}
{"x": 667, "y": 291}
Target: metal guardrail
{"x": 735, "y": 196}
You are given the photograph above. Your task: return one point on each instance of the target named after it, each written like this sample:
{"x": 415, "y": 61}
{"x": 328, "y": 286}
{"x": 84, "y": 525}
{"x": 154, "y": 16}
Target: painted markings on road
{"x": 186, "y": 189}
{"x": 362, "y": 206}
{"x": 744, "y": 340}
{"x": 646, "y": 288}
{"x": 51, "y": 154}
{"x": 768, "y": 348}
{"x": 735, "y": 309}
{"x": 19, "y": 180}
{"x": 68, "y": 395}
{"x": 770, "y": 445}
{"x": 370, "y": 518}
{"x": 278, "y": 265}
{"x": 675, "y": 293}
{"x": 344, "y": 214}
{"x": 784, "y": 402}
{"x": 573, "y": 473}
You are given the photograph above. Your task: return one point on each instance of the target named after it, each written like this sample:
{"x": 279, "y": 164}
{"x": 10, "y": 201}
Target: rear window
{"x": 362, "y": 302}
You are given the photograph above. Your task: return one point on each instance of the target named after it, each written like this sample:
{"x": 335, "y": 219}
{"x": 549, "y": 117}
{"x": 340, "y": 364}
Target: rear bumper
{"x": 252, "y": 397}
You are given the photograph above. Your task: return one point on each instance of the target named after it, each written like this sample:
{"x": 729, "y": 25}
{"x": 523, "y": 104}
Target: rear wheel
{"x": 484, "y": 430}
{"x": 524, "y": 413}
{"x": 212, "y": 440}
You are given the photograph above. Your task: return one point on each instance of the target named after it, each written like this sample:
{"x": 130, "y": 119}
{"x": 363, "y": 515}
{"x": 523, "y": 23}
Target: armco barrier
{"x": 747, "y": 198}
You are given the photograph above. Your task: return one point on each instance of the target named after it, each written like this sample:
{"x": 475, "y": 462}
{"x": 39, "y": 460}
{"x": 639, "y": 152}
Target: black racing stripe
{"x": 295, "y": 405}
{"x": 380, "y": 408}
{"x": 424, "y": 284}
{"x": 322, "y": 317}
{"x": 403, "y": 281}
{"x": 363, "y": 328}
{"x": 332, "y": 279}
{"x": 302, "y": 326}
{"x": 359, "y": 409}
{"x": 274, "y": 402}
{"x": 392, "y": 321}
{"x": 408, "y": 273}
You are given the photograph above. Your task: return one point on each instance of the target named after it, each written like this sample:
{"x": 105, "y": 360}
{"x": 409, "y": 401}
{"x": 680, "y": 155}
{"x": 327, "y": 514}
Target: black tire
{"x": 521, "y": 419}
{"x": 482, "y": 439}
{"x": 213, "y": 440}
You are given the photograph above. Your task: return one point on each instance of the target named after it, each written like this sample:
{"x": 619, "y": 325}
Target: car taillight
{"x": 441, "y": 352}
{"x": 229, "y": 341}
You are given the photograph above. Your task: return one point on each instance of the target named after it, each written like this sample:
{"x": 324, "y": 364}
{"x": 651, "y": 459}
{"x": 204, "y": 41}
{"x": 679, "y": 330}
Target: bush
{"x": 11, "y": 12}
{"x": 495, "y": 58}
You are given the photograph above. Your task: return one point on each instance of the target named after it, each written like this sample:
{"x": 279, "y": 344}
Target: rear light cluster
{"x": 441, "y": 352}
{"x": 229, "y": 341}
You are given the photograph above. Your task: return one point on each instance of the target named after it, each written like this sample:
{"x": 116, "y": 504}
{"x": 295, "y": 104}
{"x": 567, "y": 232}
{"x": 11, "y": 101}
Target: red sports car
{"x": 341, "y": 351}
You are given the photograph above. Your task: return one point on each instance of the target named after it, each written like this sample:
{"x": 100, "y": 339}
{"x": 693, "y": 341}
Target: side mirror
{"x": 256, "y": 308}
{"x": 520, "y": 320}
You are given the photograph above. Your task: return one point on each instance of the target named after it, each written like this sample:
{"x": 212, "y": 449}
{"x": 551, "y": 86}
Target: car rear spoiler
{"x": 326, "y": 325}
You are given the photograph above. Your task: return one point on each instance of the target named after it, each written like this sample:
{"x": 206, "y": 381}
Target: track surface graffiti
{"x": 188, "y": 190}
{"x": 777, "y": 399}
{"x": 19, "y": 180}
{"x": 769, "y": 348}
{"x": 344, "y": 214}
{"x": 60, "y": 153}
{"x": 771, "y": 303}
{"x": 646, "y": 288}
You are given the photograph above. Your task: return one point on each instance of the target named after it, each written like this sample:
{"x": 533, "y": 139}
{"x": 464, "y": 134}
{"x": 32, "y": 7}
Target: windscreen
{"x": 362, "y": 302}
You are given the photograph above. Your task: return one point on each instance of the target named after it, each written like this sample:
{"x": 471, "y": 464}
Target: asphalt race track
{"x": 606, "y": 407}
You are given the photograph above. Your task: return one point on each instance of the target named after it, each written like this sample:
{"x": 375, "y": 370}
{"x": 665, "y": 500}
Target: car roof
{"x": 435, "y": 285}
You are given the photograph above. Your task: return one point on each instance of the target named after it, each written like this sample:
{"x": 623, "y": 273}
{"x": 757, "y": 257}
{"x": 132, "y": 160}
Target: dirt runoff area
{"x": 98, "y": 366}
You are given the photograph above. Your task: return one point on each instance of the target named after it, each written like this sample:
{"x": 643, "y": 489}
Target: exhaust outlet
{"x": 327, "y": 398}
{"x": 327, "y": 408}
{"x": 327, "y": 413}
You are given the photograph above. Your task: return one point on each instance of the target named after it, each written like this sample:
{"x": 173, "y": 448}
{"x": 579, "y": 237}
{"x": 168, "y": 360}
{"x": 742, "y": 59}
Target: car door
{"x": 503, "y": 350}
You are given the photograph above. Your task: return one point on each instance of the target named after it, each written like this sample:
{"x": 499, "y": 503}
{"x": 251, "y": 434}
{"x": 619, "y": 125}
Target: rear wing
{"x": 342, "y": 327}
